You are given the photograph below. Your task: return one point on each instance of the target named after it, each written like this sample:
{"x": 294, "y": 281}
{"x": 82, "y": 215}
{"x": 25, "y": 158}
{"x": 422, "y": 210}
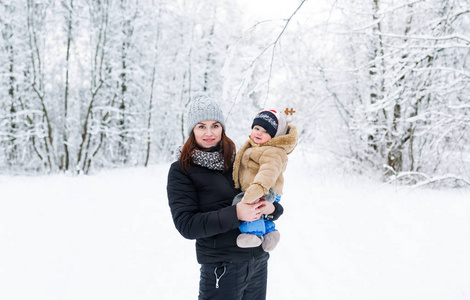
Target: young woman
{"x": 200, "y": 193}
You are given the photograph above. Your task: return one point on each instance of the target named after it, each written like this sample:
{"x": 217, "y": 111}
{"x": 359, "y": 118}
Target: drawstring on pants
{"x": 217, "y": 278}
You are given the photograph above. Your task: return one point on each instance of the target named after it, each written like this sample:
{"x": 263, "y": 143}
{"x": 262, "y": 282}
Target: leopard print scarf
{"x": 213, "y": 160}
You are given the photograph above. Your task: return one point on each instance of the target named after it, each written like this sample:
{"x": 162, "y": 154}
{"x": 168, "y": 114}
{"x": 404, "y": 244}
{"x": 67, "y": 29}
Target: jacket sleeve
{"x": 271, "y": 164}
{"x": 188, "y": 220}
{"x": 278, "y": 211}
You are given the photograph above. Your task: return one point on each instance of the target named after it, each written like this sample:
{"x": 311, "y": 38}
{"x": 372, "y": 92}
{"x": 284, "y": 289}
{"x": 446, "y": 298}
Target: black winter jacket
{"x": 201, "y": 207}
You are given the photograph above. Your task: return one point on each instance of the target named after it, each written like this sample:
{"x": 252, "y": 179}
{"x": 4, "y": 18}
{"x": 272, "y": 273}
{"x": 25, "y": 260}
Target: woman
{"x": 200, "y": 194}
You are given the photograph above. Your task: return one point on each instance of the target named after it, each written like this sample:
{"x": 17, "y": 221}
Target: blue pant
{"x": 258, "y": 227}
{"x": 239, "y": 280}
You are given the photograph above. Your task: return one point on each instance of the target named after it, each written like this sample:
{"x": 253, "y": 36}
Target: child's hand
{"x": 251, "y": 202}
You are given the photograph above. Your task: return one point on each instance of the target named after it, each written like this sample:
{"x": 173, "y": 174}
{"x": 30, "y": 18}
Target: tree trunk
{"x": 66, "y": 94}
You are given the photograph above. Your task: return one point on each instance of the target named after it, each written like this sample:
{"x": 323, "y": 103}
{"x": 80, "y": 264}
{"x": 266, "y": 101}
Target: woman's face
{"x": 208, "y": 133}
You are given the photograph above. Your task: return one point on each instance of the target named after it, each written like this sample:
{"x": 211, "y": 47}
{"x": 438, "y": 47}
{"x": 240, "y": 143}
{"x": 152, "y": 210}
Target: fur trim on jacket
{"x": 260, "y": 167}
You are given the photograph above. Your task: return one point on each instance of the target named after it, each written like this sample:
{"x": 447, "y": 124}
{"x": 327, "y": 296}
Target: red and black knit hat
{"x": 273, "y": 121}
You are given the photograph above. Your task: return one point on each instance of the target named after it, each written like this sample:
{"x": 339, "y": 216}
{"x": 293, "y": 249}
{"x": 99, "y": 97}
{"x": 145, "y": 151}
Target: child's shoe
{"x": 246, "y": 240}
{"x": 270, "y": 240}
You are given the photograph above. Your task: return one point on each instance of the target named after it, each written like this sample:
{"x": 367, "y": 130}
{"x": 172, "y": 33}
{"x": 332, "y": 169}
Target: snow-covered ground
{"x": 110, "y": 236}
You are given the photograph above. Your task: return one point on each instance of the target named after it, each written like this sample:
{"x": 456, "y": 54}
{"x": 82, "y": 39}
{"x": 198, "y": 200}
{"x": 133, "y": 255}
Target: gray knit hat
{"x": 203, "y": 108}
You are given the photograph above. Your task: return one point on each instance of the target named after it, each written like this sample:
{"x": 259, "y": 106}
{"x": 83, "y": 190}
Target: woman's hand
{"x": 250, "y": 212}
{"x": 267, "y": 207}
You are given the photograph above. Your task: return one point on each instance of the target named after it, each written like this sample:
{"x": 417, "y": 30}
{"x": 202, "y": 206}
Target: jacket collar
{"x": 288, "y": 141}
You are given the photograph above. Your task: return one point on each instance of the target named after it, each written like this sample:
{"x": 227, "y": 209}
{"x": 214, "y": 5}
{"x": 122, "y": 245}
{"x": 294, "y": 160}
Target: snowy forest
{"x": 382, "y": 85}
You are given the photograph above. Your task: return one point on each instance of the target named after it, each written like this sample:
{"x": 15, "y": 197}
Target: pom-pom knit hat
{"x": 273, "y": 121}
{"x": 203, "y": 108}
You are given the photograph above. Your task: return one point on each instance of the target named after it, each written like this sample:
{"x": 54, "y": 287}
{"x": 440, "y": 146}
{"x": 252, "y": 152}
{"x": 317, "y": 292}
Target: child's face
{"x": 259, "y": 135}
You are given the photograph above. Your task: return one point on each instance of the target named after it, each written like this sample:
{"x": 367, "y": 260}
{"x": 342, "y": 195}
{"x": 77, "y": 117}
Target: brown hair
{"x": 227, "y": 149}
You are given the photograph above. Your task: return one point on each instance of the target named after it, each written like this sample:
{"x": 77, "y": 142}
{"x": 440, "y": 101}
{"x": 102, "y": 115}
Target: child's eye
{"x": 215, "y": 126}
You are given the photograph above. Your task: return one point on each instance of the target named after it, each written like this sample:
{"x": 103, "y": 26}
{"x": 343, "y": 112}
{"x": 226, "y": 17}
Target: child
{"x": 258, "y": 169}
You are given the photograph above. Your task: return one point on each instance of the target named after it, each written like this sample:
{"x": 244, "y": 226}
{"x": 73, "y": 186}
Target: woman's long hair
{"x": 227, "y": 149}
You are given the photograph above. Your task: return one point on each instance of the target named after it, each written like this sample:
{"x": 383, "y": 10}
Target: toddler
{"x": 258, "y": 171}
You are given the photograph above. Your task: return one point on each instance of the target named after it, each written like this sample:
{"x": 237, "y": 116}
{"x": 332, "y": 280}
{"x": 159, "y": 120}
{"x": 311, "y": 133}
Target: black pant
{"x": 244, "y": 280}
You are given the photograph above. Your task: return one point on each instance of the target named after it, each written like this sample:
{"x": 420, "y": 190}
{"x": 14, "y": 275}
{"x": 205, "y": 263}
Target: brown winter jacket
{"x": 259, "y": 167}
